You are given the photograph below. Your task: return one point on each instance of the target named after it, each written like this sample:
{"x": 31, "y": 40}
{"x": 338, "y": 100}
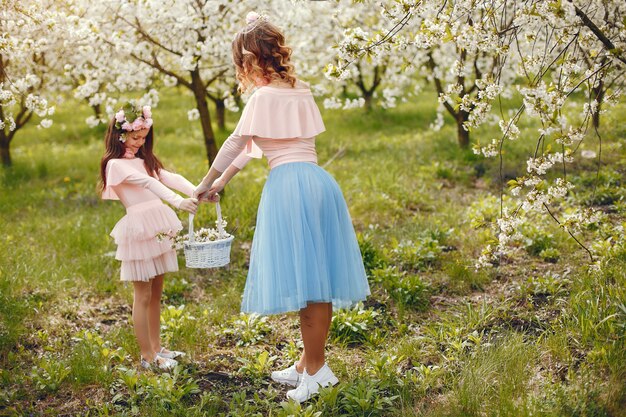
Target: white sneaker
{"x": 289, "y": 376}
{"x": 165, "y": 364}
{"x": 310, "y": 384}
{"x": 170, "y": 354}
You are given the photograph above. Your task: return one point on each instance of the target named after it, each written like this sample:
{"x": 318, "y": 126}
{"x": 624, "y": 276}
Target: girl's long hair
{"x": 115, "y": 149}
{"x": 260, "y": 54}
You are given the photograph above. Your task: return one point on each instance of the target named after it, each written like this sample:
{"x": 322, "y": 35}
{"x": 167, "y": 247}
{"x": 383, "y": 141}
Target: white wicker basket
{"x": 207, "y": 254}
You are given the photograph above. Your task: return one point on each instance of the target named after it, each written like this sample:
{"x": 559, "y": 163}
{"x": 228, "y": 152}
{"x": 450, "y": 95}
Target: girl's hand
{"x": 190, "y": 205}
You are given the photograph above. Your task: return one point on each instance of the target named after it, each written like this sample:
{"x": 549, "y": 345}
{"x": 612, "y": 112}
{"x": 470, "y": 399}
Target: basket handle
{"x": 190, "y": 237}
{"x": 218, "y": 209}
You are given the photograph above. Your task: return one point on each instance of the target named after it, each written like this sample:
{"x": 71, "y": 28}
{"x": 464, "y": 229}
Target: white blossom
{"x": 193, "y": 114}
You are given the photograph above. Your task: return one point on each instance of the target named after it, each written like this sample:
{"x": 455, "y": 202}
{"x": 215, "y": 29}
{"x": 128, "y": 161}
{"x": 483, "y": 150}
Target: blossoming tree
{"x": 180, "y": 40}
{"x": 184, "y": 42}
{"x": 31, "y": 50}
{"x": 383, "y": 77}
{"x": 543, "y": 52}
{"x": 98, "y": 74}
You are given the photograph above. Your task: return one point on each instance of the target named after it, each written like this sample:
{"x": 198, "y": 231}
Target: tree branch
{"x": 360, "y": 83}
{"x": 212, "y": 80}
{"x": 149, "y": 38}
{"x": 599, "y": 34}
{"x": 438, "y": 86}
{"x": 569, "y": 232}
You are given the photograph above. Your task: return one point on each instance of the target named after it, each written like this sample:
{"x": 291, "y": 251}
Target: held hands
{"x": 189, "y": 205}
{"x": 210, "y": 193}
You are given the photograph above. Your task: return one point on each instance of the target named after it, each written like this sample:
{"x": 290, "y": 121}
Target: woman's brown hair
{"x": 260, "y": 53}
{"x": 114, "y": 148}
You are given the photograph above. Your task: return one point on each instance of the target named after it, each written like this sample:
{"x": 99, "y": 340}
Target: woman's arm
{"x": 220, "y": 182}
{"x": 229, "y": 161}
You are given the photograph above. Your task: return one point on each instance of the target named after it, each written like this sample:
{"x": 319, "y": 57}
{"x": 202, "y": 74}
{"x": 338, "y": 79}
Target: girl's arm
{"x": 156, "y": 187}
{"x": 176, "y": 181}
{"x": 117, "y": 173}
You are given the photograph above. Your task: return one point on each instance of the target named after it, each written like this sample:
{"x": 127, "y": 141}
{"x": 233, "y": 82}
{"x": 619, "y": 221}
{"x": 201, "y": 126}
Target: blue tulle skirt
{"x": 304, "y": 248}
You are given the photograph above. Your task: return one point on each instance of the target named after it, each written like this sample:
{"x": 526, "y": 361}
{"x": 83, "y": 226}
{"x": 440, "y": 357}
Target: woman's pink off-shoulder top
{"x": 280, "y": 122}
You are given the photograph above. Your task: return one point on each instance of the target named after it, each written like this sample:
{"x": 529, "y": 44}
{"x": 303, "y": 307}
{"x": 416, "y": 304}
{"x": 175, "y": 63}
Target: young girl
{"x": 131, "y": 173}
{"x": 305, "y": 256}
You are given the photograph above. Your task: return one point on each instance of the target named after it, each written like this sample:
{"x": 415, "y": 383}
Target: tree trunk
{"x": 199, "y": 93}
{"x": 367, "y": 96}
{"x": 599, "y": 96}
{"x": 220, "y": 111}
{"x": 463, "y": 136}
{"x": 97, "y": 110}
{"x": 5, "y": 151}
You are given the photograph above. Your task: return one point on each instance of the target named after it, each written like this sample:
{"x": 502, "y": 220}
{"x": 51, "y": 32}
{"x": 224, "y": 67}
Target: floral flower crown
{"x": 132, "y": 117}
{"x": 253, "y": 19}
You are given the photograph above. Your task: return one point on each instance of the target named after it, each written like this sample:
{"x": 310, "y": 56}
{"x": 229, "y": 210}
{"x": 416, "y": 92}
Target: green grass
{"x": 540, "y": 335}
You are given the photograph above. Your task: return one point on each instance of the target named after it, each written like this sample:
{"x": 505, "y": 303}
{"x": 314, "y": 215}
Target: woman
{"x": 305, "y": 256}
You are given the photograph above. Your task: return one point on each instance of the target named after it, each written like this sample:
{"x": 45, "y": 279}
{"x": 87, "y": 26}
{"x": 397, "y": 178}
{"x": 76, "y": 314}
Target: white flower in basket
{"x": 208, "y": 248}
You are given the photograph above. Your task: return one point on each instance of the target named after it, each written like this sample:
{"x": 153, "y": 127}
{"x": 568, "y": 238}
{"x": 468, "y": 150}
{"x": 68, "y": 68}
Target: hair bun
{"x": 252, "y": 17}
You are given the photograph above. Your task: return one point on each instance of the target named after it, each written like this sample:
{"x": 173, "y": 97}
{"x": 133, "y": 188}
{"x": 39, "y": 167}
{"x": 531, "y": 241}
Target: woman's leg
{"x": 300, "y": 365}
{"x": 314, "y": 325}
{"x": 154, "y": 313}
{"x": 330, "y": 316}
{"x": 141, "y": 305}
{"x": 301, "y": 362}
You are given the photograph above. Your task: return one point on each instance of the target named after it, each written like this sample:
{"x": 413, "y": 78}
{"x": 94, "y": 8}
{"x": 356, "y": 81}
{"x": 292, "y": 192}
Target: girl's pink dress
{"x": 143, "y": 256}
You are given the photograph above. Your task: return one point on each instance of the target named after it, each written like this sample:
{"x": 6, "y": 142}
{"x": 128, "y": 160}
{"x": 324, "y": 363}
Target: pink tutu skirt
{"x": 143, "y": 256}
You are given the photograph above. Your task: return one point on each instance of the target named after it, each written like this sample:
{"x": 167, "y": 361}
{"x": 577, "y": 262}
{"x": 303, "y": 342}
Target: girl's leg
{"x": 300, "y": 365}
{"x": 141, "y": 305}
{"x": 154, "y": 313}
{"x": 314, "y": 325}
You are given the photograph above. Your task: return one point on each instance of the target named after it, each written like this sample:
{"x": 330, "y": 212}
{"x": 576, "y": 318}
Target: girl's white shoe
{"x": 289, "y": 376}
{"x": 165, "y": 364}
{"x": 169, "y": 354}
{"x": 310, "y": 384}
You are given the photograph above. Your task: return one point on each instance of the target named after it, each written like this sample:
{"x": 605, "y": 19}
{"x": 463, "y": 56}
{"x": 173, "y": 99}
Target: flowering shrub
{"x": 175, "y": 289}
{"x": 246, "y": 329}
{"x": 548, "y": 285}
{"x": 352, "y": 326}
{"x": 410, "y": 291}
{"x": 418, "y": 254}
{"x": 176, "y": 321}
{"x": 372, "y": 258}
{"x": 259, "y": 366}
{"x": 537, "y": 241}
{"x": 49, "y": 373}
{"x": 93, "y": 354}
{"x": 131, "y": 389}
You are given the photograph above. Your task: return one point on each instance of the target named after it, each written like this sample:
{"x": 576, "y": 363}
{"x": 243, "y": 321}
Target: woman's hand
{"x": 210, "y": 193}
{"x": 201, "y": 191}
{"x": 190, "y": 205}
